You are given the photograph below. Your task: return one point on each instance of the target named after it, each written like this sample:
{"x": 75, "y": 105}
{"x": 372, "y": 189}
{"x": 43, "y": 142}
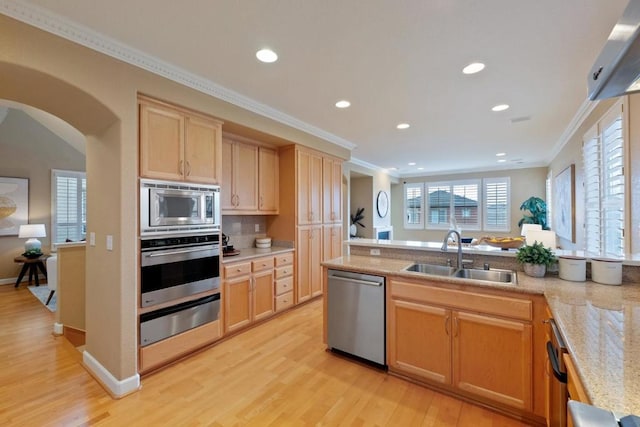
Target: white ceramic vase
{"x": 353, "y": 230}
{"x": 535, "y": 270}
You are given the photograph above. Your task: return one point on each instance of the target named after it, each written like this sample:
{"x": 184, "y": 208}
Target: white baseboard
{"x": 117, "y": 388}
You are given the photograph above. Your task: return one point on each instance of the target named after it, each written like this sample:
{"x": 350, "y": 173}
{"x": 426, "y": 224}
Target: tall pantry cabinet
{"x": 310, "y": 210}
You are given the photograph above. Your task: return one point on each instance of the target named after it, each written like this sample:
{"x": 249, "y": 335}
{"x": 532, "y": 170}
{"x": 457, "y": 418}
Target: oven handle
{"x": 186, "y": 251}
{"x": 555, "y": 365}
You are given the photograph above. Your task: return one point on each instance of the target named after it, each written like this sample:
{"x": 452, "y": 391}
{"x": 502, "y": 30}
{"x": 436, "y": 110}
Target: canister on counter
{"x": 606, "y": 271}
{"x": 573, "y": 268}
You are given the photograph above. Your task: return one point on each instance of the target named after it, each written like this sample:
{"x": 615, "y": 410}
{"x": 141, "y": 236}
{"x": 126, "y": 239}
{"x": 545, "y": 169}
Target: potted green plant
{"x": 356, "y": 219}
{"x": 538, "y": 210}
{"x": 535, "y": 259}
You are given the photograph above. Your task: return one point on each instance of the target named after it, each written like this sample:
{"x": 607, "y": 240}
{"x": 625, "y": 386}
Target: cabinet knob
{"x": 181, "y": 167}
{"x": 188, "y": 167}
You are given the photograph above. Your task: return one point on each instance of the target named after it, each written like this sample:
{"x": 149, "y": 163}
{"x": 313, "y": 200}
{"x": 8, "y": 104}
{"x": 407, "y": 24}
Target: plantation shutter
{"x": 497, "y": 204}
{"x": 465, "y": 205}
{"x": 438, "y": 205}
{"x": 604, "y": 185}
{"x": 69, "y": 206}
{"x": 414, "y": 205}
{"x": 613, "y": 186}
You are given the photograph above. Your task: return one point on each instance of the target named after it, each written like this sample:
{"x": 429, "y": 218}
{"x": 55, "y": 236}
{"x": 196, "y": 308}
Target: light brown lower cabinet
{"x": 248, "y": 292}
{"x": 309, "y": 253}
{"x": 478, "y": 345}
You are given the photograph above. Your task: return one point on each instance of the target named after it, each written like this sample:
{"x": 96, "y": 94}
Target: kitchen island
{"x": 600, "y": 323}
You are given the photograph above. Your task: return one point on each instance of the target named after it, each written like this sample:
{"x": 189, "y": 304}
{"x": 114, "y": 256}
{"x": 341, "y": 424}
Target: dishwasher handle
{"x": 555, "y": 364}
{"x": 358, "y": 281}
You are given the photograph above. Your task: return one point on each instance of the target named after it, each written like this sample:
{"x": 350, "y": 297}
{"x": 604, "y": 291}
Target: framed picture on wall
{"x": 564, "y": 210}
{"x": 14, "y": 205}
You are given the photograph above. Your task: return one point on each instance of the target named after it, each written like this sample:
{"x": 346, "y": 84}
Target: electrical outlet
{"x": 109, "y": 242}
{"x": 92, "y": 239}
{"x": 257, "y": 228}
{"x": 374, "y": 252}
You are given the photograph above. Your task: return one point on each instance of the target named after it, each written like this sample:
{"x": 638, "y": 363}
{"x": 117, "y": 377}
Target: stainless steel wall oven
{"x": 174, "y": 267}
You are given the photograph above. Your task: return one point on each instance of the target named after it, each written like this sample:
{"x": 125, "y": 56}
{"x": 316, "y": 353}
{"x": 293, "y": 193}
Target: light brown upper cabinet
{"x": 331, "y": 190}
{"x": 249, "y": 176}
{"x": 178, "y": 144}
{"x": 309, "y": 187}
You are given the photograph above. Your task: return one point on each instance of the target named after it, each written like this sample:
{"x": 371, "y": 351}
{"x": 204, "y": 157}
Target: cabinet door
{"x": 268, "y": 180}
{"x": 226, "y": 189}
{"x": 309, "y": 273}
{"x": 492, "y": 358}
{"x": 237, "y": 304}
{"x": 161, "y": 142}
{"x": 315, "y": 255}
{"x": 331, "y": 190}
{"x": 263, "y": 297}
{"x": 245, "y": 176}
{"x": 418, "y": 340}
{"x": 202, "y": 151}
{"x": 309, "y": 188}
{"x": 331, "y": 241}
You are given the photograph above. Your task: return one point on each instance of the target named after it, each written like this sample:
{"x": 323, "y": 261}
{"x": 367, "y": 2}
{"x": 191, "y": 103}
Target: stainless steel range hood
{"x": 617, "y": 69}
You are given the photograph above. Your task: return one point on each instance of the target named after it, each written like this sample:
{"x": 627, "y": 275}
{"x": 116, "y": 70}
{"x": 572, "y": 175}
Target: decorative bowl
{"x": 503, "y": 243}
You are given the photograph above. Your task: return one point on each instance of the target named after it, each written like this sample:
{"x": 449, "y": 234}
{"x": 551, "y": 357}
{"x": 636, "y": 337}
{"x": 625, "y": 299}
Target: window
{"x": 603, "y": 153}
{"x": 548, "y": 185}
{"x": 497, "y": 204}
{"x": 69, "y": 206}
{"x": 467, "y": 201}
{"x": 459, "y": 199}
{"x": 413, "y": 205}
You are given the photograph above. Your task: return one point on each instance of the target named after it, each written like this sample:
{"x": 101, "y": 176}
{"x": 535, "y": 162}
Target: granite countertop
{"x": 249, "y": 253}
{"x": 599, "y": 323}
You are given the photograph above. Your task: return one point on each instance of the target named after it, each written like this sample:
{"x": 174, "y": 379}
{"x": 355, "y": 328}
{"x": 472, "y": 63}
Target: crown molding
{"x": 373, "y": 167}
{"x": 82, "y": 35}
{"x": 581, "y": 115}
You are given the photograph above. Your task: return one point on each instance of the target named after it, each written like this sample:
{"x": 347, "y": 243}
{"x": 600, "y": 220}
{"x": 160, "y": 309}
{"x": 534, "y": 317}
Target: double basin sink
{"x": 491, "y": 275}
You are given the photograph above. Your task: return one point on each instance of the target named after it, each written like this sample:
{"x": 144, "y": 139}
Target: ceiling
{"x": 395, "y": 61}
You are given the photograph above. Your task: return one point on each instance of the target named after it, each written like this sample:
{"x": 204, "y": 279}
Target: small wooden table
{"x": 31, "y": 264}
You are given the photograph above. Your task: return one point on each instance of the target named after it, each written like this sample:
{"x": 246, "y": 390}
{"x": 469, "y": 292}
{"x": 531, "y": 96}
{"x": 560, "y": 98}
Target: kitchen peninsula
{"x": 600, "y": 324}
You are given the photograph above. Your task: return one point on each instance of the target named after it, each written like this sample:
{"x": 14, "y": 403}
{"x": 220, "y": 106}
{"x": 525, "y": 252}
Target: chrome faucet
{"x": 445, "y": 245}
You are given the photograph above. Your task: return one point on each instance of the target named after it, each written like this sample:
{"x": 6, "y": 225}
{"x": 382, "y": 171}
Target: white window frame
{"x": 80, "y": 208}
{"x": 485, "y": 205}
{"x": 450, "y": 185}
{"x": 405, "y": 207}
{"x": 603, "y": 234}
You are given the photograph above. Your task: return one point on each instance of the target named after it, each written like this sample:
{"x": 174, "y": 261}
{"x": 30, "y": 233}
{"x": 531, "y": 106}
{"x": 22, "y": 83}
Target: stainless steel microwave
{"x": 178, "y": 207}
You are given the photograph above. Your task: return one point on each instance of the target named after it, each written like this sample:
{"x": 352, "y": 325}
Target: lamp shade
{"x": 29, "y": 231}
{"x": 528, "y": 227}
{"x": 32, "y": 232}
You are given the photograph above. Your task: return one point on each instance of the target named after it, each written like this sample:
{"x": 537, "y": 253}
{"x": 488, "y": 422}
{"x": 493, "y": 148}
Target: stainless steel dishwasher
{"x": 356, "y": 315}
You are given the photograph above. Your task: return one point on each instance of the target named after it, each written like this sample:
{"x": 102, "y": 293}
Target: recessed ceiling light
{"x": 403, "y": 126}
{"x": 501, "y": 154}
{"x": 500, "y": 107}
{"x": 420, "y": 169}
{"x": 343, "y": 104}
{"x": 502, "y": 160}
{"x": 474, "y": 67}
{"x": 266, "y": 55}
{"x": 412, "y": 163}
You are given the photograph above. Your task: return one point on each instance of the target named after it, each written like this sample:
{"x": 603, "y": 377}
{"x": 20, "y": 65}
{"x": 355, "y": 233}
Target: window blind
{"x": 604, "y": 186}
{"x": 69, "y": 206}
{"x": 414, "y": 205}
{"x": 497, "y": 204}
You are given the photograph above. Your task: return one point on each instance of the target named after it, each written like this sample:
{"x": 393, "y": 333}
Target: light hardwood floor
{"x": 277, "y": 374}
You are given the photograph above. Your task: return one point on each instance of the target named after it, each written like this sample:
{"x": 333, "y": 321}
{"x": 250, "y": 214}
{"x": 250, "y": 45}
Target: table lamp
{"x": 528, "y": 227}
{"x": 32, "y": 232}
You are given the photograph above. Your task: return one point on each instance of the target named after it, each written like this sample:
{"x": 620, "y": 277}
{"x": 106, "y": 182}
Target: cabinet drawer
{"x": 284, "y": 301}
{"x": 489, "y": 304}
{"x": 284, "y": 285}
{"x": 262, "y": 264}
{"x": 284, "y": 259}
{"x": 237, "y": 269}
{"x": 282, "y": 272}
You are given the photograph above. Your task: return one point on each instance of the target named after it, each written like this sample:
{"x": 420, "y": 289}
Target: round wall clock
{"x": 382, "y": 203}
